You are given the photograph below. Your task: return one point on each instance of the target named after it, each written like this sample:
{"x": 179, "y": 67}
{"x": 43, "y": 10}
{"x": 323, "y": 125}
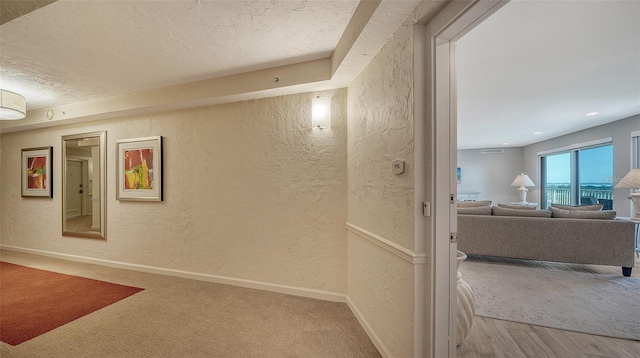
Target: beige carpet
{"x": 551, "y": 295}
{"x": 175, "y": 317}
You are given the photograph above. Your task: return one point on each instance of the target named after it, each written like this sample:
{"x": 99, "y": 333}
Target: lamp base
{"x": 522, "y": 193}
{"x": 635, "y": 199}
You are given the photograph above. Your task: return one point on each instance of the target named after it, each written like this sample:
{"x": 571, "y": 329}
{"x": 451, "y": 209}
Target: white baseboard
{"x": 367, "y": 328}
{"x": 272, "y": 287}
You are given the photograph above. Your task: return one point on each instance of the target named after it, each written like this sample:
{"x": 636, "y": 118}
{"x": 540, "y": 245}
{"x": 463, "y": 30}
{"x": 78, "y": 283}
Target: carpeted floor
{"x": 175, "y": 317}
{"x": 551, "y": 295}
{"x": 33, "y": 302}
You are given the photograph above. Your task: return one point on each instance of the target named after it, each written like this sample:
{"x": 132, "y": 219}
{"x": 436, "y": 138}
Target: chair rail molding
{"x": 400, "y": 251}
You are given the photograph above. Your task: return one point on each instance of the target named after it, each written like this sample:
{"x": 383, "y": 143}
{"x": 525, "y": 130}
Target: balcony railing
{"x": 563, "y": 196}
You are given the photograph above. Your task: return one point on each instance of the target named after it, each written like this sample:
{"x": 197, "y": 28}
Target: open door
{"x": 439, "y": 145}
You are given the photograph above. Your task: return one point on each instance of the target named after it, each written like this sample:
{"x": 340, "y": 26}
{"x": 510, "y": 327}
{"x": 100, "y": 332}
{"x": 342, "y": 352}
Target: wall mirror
{"x": 84, "y": 185}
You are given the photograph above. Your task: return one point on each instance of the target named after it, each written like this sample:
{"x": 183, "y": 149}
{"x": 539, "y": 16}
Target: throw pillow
{"x": 498, "y": 211}
{"x": 517, "y": 207}
{"x": 478, "y": 210}
{"x": 594, "y": 207}
{"x": 582, "y": 214}
{"x": 473, "y": 204}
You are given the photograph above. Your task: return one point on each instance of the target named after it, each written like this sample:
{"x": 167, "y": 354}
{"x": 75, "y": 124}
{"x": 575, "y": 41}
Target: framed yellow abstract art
{"x": 139, "y": 169}
{"x": 36, "y": 172}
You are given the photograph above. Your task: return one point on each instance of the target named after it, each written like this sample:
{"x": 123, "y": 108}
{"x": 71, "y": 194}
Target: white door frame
{"x": 436, "y": 154}
{"x": 74, "y": 190}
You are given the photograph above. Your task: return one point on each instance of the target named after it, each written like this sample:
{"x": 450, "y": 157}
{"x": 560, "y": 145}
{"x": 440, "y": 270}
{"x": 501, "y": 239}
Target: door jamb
{"x": 436, "y": 141}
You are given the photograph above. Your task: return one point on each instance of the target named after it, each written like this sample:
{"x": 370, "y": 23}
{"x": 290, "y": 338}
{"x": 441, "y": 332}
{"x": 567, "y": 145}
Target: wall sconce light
{"x": 321, "y": 112}
{"x": 12, "y": 106}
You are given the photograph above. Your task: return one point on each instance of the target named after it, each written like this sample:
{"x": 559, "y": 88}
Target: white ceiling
{"x": 73, "y": 51}
{"x": 540, "y": 66}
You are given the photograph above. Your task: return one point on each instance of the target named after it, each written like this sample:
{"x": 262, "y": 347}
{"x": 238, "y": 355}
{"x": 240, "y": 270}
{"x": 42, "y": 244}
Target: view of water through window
{"x": 583, "y": 176}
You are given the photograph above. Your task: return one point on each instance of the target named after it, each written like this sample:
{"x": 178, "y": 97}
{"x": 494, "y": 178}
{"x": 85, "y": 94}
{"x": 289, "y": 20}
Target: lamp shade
{"x": 630, "y": 181}
{"x": 12, "y": 106}
{"x": 522, "y": 180}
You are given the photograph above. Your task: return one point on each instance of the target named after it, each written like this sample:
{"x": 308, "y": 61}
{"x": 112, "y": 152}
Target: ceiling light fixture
{"x": 505, "y": 143}
{"x": 536, "y": 133}
{"x": 12, "y": 105}
{"x": 592, "y": 113}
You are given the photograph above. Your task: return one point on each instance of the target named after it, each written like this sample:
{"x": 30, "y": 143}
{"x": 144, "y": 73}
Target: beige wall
{"x": 492, "y": 174}
{"x": 251, "y": 193}
{"x": 380, "y": 131}
{"x": 380, "y": 120}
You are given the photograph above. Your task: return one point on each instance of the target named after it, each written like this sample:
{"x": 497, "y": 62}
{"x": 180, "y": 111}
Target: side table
{"x": 637, "y": 222}
{"x": 517, "y": 203}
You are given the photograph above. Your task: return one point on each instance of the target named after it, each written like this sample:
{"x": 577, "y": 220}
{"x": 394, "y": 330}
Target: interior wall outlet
{"x": 397, "y": 167}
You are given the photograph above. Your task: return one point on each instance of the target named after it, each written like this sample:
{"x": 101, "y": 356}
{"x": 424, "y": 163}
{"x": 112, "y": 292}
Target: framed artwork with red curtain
{"x": 139, "y": 169}
{"x": 36, "y": 172}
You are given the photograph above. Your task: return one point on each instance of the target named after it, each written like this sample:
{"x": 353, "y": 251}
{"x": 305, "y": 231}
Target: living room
{"x": 531, "y": 104}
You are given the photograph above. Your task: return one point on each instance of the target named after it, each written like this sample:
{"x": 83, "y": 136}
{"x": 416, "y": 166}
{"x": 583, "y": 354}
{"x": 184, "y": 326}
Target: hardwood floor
{"x": 490, "y": 337}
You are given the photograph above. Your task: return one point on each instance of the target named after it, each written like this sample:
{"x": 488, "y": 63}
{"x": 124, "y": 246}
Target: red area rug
{"x": 33, "y": 302}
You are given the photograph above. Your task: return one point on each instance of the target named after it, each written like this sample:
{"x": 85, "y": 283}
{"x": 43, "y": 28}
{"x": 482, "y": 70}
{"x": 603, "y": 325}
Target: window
{"x": 578, "y": 176}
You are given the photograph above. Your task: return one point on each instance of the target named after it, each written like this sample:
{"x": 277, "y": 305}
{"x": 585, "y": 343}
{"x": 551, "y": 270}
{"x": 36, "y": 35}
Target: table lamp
{"x": 522, "y": 181}
{"x": 632, "y": 181}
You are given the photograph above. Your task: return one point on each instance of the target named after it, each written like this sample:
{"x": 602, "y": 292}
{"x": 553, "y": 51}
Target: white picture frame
{"x": 139, "y": 169}
{"x": 37, "y": 172}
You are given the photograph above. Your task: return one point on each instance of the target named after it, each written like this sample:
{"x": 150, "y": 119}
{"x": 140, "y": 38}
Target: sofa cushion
{"x": 594, "y": 207}
{"x": 582, "y": 214}
{"x": 478, "y": 210}
{"x": 517, "y": 207}
{"x": 498, "y": 211}
{"x": 473, "y": 204}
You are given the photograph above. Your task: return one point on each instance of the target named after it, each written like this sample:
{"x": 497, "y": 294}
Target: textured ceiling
{"x": 72, "y": 51}
{"x": 542, "y": 65}
{"x": 13, "y": 9}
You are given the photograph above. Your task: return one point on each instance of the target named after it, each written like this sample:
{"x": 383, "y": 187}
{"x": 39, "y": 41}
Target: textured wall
{"x": 380, "y": 120}
{"x": 381, "y": 287}
{"x": 380, "y": 131}
{"x": 251, "y": 192}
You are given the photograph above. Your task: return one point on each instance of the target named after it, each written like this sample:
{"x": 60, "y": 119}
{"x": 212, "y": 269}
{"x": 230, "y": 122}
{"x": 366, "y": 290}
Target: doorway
{"x": 436, "y": 141}
{"x": 79, "y": 211}
{"x": 74, "y": 188}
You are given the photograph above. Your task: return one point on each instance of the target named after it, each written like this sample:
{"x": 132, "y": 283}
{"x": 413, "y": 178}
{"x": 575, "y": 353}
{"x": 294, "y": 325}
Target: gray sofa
{"x": 583, "y": 241}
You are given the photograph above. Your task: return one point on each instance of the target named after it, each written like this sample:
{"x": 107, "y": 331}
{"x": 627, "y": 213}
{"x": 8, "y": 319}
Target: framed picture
{"x": 458, "y": 174}
{"x": 36, "y": 172}
{"x": 139, "y": 169}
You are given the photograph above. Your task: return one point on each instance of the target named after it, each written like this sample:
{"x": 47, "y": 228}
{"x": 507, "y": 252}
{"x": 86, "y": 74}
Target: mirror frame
{"x": 102, "y": 137}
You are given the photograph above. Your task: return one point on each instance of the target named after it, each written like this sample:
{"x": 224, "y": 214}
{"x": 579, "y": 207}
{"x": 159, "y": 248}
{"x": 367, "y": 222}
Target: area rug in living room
{"x": 600, "y": 304}
{"x": 33, "y": 302}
